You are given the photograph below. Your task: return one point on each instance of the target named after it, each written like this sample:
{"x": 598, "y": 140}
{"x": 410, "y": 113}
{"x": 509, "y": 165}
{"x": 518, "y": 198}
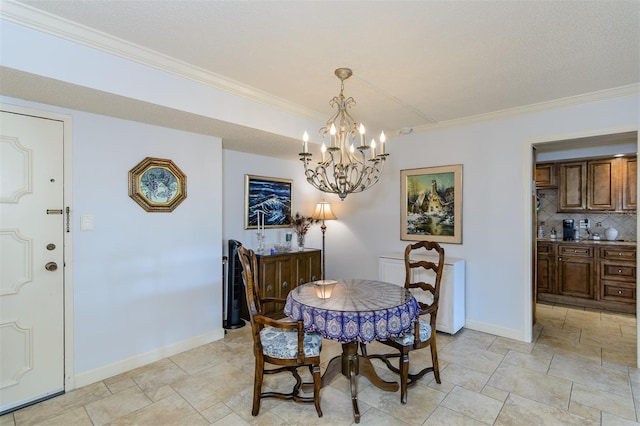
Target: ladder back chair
{"x": 281, "y": 343}
{"x": 422, "y": 278}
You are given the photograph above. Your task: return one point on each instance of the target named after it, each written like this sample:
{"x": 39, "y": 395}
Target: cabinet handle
{"x": 313, "y": 278}
{"x": 619, "y": 254}
{"x": 285, "y": 284}
{"x": 269, "y": 288}
{"x": 559, "y": 259}
{"x": 301, "y": 281}
{"x": 575, "y": 251}
{"x": 619, "y": 270}
{"x": 619, "y": 291}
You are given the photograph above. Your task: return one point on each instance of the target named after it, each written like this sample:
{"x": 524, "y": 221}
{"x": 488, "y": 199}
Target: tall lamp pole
{"x": 323, "y": 212}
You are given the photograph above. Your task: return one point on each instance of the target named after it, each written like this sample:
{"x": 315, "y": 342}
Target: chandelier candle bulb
{"x": 333, "y": 138}
{"x": 346, "y": 170}
{"x": 305, "y": 139}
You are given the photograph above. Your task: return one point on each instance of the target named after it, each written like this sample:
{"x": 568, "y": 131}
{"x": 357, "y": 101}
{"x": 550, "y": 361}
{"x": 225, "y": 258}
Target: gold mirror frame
{"x": 157, "y": 185}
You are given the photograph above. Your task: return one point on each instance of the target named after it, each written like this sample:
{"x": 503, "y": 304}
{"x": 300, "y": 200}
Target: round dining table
{"x": 358, "y": 310}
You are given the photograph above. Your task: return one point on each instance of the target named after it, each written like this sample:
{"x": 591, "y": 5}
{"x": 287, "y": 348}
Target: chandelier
{"x": 343, "y": 168}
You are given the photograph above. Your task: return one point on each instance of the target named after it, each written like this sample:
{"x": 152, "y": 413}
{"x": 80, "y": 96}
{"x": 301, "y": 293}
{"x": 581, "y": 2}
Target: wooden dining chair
{"x": 422, "y": 278}
{"x": 281, "y": 343}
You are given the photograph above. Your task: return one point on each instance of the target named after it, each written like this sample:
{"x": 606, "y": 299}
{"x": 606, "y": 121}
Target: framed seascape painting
{"x": 271, "y": 196}
{"x": 431, "y": 204}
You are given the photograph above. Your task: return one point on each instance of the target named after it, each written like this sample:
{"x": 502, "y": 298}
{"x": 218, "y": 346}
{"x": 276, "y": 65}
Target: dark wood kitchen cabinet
{"x": 546, "y": 268}
{"x": 590, "y": 274}
{"x": 629, "y": 184}
{"x": 602, "y": 185}
{"x": 546, "y": 175}
{"x": 618, "y": 274}
{"x": 576, "y": 270}
{"x": 280, "y": 273}
{"x": 572, "y": 194}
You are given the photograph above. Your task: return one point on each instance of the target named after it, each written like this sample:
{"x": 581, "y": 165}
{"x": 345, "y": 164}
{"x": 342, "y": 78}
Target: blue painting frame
{"x": 273, "y": 196}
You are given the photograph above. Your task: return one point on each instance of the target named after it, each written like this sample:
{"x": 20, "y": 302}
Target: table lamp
{"x": 323, "y": 212}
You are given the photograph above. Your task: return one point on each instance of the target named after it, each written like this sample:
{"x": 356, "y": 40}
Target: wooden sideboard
{"x": 280, "y": 273}
{"x": 451, "y": 314}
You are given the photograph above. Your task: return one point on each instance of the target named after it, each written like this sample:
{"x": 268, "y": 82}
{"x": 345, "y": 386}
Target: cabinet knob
{"x": 285, "y": 284}
{"x": 619, "y": 254}
{"x": 619, "y": 270}
{"x": 269, "y": 288}
{"x": 619, "y": 291}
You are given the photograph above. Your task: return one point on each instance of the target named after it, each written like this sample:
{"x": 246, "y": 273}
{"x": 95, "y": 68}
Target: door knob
{"x": 51, "y": 266}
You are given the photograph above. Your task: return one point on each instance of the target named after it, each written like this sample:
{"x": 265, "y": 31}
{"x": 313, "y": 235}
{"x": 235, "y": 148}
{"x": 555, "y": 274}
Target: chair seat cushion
{"x": 283, "y": 344}
{"x": 407, "y": 338}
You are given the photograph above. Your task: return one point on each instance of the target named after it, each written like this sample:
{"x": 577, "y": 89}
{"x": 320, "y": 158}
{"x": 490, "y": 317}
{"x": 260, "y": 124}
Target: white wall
{"x": 146, "y": 285}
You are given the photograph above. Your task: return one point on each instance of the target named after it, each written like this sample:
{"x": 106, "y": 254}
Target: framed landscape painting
{"x": 272, "y": 196}
{"x": 431, "y": 204}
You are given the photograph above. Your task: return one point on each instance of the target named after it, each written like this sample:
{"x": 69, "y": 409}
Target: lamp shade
{"x": 323, "y": 212}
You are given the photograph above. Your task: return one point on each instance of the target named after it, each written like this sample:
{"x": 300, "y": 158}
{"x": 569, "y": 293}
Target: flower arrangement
{"x": 301, "y": 224}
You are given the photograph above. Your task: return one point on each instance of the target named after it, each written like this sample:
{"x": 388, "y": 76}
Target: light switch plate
{"x": 86, "y": 222}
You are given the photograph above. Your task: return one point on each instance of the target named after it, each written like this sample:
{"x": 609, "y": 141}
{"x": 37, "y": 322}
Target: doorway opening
{"x": 589, "y": 185}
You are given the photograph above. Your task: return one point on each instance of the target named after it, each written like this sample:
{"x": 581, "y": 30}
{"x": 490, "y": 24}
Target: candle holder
{"x": 260, "y": 237}
{"x": 324, "y": 288}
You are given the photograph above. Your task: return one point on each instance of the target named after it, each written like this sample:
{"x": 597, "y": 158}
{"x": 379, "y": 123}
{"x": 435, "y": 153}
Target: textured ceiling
{"x": 416, "y": 64}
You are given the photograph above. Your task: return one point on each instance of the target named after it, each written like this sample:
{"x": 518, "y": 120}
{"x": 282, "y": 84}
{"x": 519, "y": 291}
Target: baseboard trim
{"x": 509, "y": 333}
{"x": 119, "y": 367}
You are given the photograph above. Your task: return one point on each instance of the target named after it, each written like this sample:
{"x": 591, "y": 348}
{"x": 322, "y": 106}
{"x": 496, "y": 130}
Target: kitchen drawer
{"x": 617, "y": 292}
{"x": 575, "y": 250}
{"x": 618, "y": 253}
{"x": 617, "y": 271}
{"x": 546, "y": 248}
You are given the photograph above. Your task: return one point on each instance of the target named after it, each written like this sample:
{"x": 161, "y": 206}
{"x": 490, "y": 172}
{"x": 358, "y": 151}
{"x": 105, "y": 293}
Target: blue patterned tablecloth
{"x": 362, "y": 310}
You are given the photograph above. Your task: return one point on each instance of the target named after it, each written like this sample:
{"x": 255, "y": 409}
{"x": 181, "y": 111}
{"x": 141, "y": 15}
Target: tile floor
{"x": 579, "y": 370}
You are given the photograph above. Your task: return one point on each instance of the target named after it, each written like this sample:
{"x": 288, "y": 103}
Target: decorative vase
{"x": 611, "y": 234}
{"x": 300, "y": 242}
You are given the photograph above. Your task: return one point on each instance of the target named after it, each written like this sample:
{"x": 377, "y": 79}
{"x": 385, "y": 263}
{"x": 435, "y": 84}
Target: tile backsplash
{"x": 625, "y": 223}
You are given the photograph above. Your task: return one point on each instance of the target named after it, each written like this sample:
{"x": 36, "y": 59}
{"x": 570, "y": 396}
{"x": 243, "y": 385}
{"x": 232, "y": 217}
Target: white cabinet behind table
{"x": 451, "y": 315}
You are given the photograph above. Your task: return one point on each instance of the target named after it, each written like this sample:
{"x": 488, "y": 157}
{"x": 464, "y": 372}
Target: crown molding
{"x": 45, "y": 22}
{"x": 602, "y": 95}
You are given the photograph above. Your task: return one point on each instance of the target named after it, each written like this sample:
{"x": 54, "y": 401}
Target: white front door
{"x": 32, "y": 226}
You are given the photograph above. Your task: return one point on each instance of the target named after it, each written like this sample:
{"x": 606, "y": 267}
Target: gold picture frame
{"x": 431, "y": 204}
{"x": 157, "y": 185}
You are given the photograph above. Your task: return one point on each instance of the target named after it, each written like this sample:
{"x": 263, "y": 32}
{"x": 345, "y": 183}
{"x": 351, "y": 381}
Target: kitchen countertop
{"x": 594, "y": 242}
